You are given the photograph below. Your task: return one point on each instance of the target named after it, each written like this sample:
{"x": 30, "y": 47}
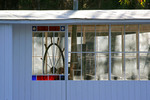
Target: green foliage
{"x": 143, "y": 3}
{"x": 132, "y": 4}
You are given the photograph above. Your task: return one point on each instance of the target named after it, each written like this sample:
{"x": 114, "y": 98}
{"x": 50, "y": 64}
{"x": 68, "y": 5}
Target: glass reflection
{"x": 102, "y": 66}
{"x": 145, "y": 66}
{"x": 131, "y": 37}
{"x": 37, "y": 66}
{"x": 48, "y": 53}
{"x": 48, "y": 39}
{"x": 88, "y": 66}
{"x": 117, "y": 32}
{"x": 144, "y": 38}
{"x": 37, "y": 48}
{"x": 74, "y": 38}
{"x": 117, "y": 68}
{"x": 74, "y": 66}
{"x": 37, "y": 44}
{"x": 102, "y": 34}
{"x": 131, "y": 67}
{"x": 88, "y": 35}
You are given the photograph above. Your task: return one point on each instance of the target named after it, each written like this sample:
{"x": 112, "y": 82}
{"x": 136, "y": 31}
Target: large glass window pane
{"x": 74, "y": 38}
{"x": 131, "y": 68}
{"x": 37, "y": 66}
{"x": 48, "y": 56}
{"x": 88, "y": 34}
{"x": 59, "y": 52}
{"x": 144, "y": 38}
{"x": 48, "y": 53}
{"x": 88, "y": 66}
{"x": 117, "y": 32}
{"x": 37, "y": 44}
{"x": 117, "y": 68}
{"x": 145, "y": 66}
{"x": 53, "y": 58}
{"x": 37, "y": 48}
{"x": 102, "y": 66}
{"x": 131, "y": 38}
{"x": 74, "y": 66}
{"x": 102, "y": 33}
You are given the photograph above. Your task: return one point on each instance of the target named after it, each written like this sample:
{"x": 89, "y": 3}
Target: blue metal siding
{"x": 5, "y": 62}
{"x": 23, "y": 86}
{"x": 108, "y": 90}
{"x": 25, "y": 89}
{"x": 21, "y": 59}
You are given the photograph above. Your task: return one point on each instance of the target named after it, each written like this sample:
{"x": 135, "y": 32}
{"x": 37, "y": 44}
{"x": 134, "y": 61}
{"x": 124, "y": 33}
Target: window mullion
{"x": 123, "y": 52}
{"x": 95, "y": 51}
{"x": 138, "y": 57}
{"x": 53, "y": 52}
{"x": 43, "y": 49}
{"x": 124, "y": 55}
{"x": 109, "y": 75}
{"x": 66, "y": 53}
{"x": 81, "y": 52}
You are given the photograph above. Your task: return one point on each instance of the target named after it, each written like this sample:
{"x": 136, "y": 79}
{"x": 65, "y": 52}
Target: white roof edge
{"x": 6, "y": 15}
{"x": 75, "y": 21}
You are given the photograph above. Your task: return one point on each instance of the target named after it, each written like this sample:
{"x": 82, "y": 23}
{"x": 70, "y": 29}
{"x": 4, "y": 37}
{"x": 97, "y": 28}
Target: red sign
{"x": 42, "y": 77}
{"x": 54, "y": 77}
{"x": 42, "y": 28}
{"x": 54, "y": 28}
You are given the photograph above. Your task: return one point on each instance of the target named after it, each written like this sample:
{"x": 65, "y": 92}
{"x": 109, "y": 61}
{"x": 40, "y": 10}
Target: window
{"x": 144, "y": 48}
{"x": 88, "y": 52}
{"x": 95, "y": 52}
{"x": 48, "y": 46}
{"x": 92, "y": 51}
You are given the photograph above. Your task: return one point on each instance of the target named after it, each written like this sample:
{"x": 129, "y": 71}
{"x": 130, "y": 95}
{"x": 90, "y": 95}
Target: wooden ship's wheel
{"x": 48, "y": 61}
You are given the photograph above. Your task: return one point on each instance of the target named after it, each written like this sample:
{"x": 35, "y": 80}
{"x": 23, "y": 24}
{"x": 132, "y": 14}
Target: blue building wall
{"x": 21, "y": 86}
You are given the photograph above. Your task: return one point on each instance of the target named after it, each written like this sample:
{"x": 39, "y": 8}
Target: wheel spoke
{"x": 50, "y": 59}
{"x": 56, "y": 51}
{"x": 46, "y": 63}
{"x": 59, "y": 57}
{"x": 48, "y": 55}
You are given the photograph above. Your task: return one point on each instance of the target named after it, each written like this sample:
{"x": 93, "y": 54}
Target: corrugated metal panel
{"x": 108, "y": 90}
{"x": 50, "y": 90}
{"x": 148, "y": 90}
{"x": 28, "y": 62}
{"x": 22, "y": 58}
{"x": 23, "y": 87}
{"x": 6, "y": 62}
{"x": 2, "y": 64}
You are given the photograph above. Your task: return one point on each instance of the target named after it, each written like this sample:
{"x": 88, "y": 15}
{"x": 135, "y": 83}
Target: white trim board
{"x": 75, "y": 22}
